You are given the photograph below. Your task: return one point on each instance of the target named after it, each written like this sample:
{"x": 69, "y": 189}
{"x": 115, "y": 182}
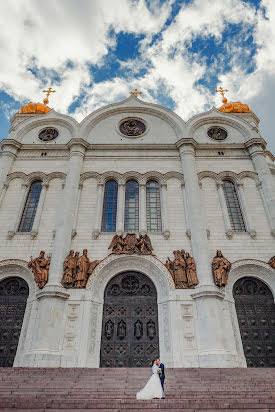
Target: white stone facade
{"x": 197, "y": 327}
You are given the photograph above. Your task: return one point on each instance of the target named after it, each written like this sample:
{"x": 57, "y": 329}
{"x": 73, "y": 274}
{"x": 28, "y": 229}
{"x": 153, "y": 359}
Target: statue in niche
{"x": 69, "y": 267}
{"x": 40, "y": 269}
{"x": 271, "y": 262}
{"x": 82, "y": 266}
{"x": 183, "y": 270}
{"x": 191, "y": 271}
{"x": 221, "y": 268}
{"x": 77, "y": 270}
{"x": 131, "y": 245}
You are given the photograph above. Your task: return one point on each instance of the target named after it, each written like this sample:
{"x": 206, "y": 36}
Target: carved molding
{"x": 113, "y": 264}
{"x": 18, "y": 267}
{"x": 29, "y": 178}
{"x": 252, "y": 268}
{"x": 236, "y": 177}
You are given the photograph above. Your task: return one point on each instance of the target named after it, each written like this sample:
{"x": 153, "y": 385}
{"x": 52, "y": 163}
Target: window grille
{"x": 233, "y": 206}
{"x": 30, "y": 207}
{"x": 109, "y": 207}
{"x": 153, "y": 208}
{"x": 131, "y": 223}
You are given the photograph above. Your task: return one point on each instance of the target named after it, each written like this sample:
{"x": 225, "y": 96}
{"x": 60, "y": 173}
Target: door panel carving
{"x": 256, "y": 315}
{"x": 130, "y": 322}
{"x": 13, "y": 298}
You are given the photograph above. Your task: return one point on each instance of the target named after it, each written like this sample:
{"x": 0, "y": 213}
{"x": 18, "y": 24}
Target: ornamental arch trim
{"x": 250, "y": 268}
{"x": 18, "y": 268}
{"x": 52, "y": 119}
{"x": 114, "y": 264}
{"x": 215, "y": 116}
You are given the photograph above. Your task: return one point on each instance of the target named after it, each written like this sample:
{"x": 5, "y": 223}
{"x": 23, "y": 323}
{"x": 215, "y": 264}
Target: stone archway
{"x": 14, "y": 292}
{"x": 102, "y": 275}
{"x": 130, "y": 335}
{"x": 256, "y": 316}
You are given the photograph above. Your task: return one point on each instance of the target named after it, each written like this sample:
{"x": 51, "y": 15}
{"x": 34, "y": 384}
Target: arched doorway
{"x": 13, "y": 299}
{"x": 256, "y": 315}
{"x": 130, "y": 322}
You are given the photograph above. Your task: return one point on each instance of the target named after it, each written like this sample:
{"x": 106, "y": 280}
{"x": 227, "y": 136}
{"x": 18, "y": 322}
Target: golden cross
{"x": 221, "y": 91}
{"x": 49, "y": 91}
{"x": 136, "y": 93}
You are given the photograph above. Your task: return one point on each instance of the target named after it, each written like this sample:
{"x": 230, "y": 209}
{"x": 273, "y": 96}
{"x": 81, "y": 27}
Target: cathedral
{"x": 134, "y": 235}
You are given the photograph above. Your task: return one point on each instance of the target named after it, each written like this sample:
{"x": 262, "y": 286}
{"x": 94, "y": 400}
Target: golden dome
{"x": 34, "y": 108}
{"x": 37, "y": 108}
{"x": 234, "y": 107}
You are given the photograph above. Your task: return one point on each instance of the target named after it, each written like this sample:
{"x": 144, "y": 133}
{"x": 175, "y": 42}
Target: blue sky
{"x": 176, "y": 52}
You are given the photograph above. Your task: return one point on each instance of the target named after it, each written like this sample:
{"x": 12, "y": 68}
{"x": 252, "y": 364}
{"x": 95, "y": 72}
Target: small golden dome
{"x": 34, "y": 108}
{"x": 234, "y": 107}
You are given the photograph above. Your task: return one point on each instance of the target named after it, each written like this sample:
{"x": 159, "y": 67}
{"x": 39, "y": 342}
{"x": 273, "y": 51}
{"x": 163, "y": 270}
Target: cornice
{"x": 256, "y": 141}
{"x": 10, "y": 142}
{"x": 187, "y": 141}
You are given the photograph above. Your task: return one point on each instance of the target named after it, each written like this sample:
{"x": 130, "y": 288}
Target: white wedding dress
{"x": 153, "y": 388}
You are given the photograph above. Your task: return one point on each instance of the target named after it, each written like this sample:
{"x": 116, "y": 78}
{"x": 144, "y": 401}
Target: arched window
{"x": 233, "y": 206}
{"x": 109, "y": 207}
{"x": 131, "y": 222}
{"x": 30, "y": 207}
{"x": 153, "y": 211}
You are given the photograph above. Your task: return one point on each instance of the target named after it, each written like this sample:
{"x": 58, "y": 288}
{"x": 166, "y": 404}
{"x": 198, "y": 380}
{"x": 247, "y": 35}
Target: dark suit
{"x": 162, "y": 375}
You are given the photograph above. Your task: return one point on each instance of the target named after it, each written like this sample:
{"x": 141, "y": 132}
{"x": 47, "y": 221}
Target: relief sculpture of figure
{"x": 69, "y": 270}
{"x": 183, "y": 270}
{"x": 191, "y": 271}
{"x": 144, "y": 245}
{"x": 132, "y": 128}
{"x": 40, "y": 269}
{"x": 221, "y": 267}
{"x": 130, "y": 245}
{"x": 271, "y": 262}
{"x": 82, "y": 266}
{"x": 117, "y": 245}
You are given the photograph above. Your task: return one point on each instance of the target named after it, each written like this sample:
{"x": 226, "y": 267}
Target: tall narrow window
{"x": 153, "y": 211}
{"x": 233, "y": 206}
{"x": 109, "y": 207}
{"x": 30, "y": 207}
{"x": 131, "y": 223}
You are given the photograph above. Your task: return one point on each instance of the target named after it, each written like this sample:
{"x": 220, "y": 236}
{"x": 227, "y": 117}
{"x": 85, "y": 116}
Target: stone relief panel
{"x": 188, "y": 325}
{"x": 72, "y": 326}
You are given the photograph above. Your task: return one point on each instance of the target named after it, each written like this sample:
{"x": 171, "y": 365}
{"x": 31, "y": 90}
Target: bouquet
{"x": 159, "y": 371}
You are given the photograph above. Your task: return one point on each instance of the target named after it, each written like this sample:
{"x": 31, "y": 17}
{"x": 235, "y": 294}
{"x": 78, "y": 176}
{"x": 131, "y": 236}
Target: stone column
{"x": 98, "y": 212}
{"x": 35, "y": 226}
{"x": 271, "y": 223}
{"x": 164, "y": 219}
{"x": 256, "y": 150}
{"x": 74, "y": 231}
{"x": 226, "y": 219}
{"x": 215, "y": 337}
{"x": 195, "y": 211}
{"x": 247, "y": 221}
{"x": 188, "y": 231}
{"x": 19, "y": 210}
{"x": 142, "y": 209}
{"x": 50, "y": 321}
{"x": 120, "y": 209}
{"x": 10, "y": 149}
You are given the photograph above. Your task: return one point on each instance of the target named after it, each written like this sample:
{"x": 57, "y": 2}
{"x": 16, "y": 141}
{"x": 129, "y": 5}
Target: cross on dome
{"x": 222, "y": 91}
{"x": 49, "y": 91}
{"x": 135, "y": 93}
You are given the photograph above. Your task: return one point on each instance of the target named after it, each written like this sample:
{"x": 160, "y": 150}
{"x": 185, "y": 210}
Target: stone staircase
{"x": 113, "y": 390}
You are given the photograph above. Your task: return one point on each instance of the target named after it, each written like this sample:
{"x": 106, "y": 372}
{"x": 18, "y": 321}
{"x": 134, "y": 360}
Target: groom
{"x": 161, "y": 375}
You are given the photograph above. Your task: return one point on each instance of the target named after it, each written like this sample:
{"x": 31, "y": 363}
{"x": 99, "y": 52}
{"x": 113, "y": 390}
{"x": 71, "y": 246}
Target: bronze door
{"x": 256, "y": 315}
{"x": 13, "y": 298}
{"x": 130, "y": 322}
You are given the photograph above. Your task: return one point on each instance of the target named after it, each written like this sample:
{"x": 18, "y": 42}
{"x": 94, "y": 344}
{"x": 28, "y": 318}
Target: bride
{"x": 153, "y": 388}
